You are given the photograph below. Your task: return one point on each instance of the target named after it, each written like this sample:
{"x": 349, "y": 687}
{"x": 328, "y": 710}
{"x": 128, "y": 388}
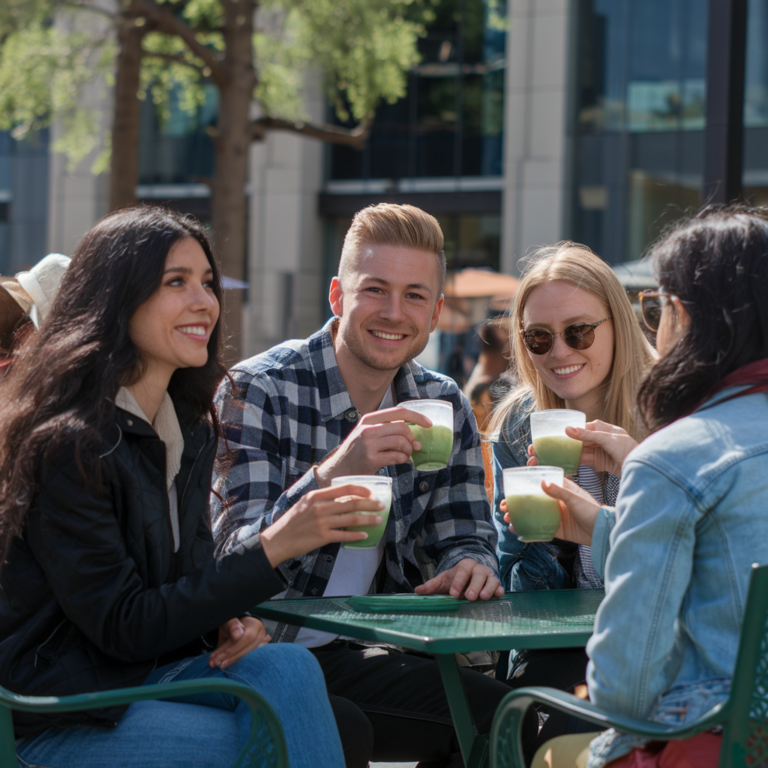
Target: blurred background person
{"x": 25, "y": 301}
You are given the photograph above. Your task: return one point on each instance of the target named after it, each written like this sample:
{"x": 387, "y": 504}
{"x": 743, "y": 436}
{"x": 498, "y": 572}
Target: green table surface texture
{"x": 541, "y": 619}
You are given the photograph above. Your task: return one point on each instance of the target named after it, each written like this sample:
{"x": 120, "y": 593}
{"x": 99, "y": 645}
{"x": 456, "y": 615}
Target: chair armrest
{"x": 260, "y": 707}
{"x": 506, "y": 731}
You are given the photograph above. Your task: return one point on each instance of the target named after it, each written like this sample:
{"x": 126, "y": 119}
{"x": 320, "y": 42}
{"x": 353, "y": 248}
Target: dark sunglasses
{"x": 577, "y": 336}
{"x": 651, "y": 305}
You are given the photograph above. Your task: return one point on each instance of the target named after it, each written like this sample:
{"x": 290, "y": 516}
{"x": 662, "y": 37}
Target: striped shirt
{"x": 292, "y": 409}
{"x": 590, "y": 481}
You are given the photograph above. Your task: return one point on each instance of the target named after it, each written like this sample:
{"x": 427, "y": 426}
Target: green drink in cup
{"x": 534, "y": 515}
{"x": 553, "y": 447}
{"x": 381, "y": 488}
{"x": 437, "y": 440}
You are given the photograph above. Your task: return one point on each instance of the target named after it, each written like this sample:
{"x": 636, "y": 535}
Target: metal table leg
{"x": 474, "y": 748}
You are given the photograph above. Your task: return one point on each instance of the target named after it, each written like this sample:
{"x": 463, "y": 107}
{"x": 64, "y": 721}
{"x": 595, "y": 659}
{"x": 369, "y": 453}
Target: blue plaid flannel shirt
{"x": 292, "y": 410}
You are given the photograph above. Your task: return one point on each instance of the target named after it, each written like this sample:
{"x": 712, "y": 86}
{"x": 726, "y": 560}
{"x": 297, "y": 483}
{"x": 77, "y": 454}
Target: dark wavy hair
{"x": 62, "y": 386}
{"x": 716, "y": 263}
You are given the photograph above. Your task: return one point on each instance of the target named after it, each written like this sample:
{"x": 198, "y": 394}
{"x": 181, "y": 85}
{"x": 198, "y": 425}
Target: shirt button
{"x": 328, "y": 559}
{"x": 352, "y": 415}
{"x": 313, "y": 591}
{"x": 423, "y": 486}
{"x": 129, "y": 422}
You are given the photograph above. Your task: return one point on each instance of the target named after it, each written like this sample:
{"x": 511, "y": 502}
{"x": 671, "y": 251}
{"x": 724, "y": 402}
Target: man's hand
{"x": 468, "y": 579}
{"x": 604, "y": 446}
{"x": 236, "y": 638}
{"x": 380, "y": 439}
{"x": 316, "y": 519}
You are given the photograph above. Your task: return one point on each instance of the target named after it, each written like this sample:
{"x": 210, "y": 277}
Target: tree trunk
{"x": 124, "y": 166}
{"x": 231, "y": 143}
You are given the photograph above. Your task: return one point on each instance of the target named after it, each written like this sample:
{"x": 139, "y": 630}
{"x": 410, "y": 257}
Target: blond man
{"x": 311, "y": 410}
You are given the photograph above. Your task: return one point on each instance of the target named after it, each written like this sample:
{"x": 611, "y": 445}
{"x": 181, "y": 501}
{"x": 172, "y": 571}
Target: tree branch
{"x": 333, "y": 134}
{"x": 163, "y": 20}
{"x": 175, "y": 58}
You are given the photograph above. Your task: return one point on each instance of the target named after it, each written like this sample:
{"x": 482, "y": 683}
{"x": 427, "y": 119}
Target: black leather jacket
{"x": 94, "y": 597}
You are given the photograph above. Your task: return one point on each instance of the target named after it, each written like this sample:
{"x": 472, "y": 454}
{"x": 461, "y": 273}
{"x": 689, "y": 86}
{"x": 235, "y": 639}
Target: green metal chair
{"x": 744, "y": 716}
{"x": 265, "y": 748}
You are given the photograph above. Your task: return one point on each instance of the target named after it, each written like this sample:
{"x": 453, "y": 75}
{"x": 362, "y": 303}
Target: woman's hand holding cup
{"x": 604, "y": 446}
{"x": 578, "y": 511}
{"x": 319, "y": 518}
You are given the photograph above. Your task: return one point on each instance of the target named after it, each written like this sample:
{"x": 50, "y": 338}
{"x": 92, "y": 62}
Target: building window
{"x": 179, "y": 149}
{"x": 638, "y": 124}
{"x": 637, "y": 131}
{"x": 450, "y": 123}
{"x": 755, "y": 177}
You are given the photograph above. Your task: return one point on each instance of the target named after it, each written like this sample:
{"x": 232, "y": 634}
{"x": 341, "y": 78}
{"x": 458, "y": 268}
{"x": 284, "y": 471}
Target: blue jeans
{"x": 208, "y": 730}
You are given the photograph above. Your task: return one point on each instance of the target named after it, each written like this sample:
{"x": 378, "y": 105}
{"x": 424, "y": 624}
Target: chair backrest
{"x": 265, "y": 748}
{"x": 745, "y": 738}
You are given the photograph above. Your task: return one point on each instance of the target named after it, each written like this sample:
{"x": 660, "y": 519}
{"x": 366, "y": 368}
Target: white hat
{"x": 42, "y": 283}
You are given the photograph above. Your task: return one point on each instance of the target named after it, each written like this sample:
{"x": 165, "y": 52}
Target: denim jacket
{"x": 690, "y": 520}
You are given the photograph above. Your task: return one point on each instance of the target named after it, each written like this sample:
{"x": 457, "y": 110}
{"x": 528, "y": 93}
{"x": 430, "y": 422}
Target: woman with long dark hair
{"x": 691, "y": 515}
{"x": 107, "y": 442}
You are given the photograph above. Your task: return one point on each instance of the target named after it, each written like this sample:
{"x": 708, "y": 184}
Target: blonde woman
{"x": 576, "y": 344}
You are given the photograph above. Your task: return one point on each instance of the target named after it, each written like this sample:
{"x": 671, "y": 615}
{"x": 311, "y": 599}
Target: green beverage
{"x": 534, "y": 516}
{"x": 436, "y": 446}
{"x": 558, "y": 451}
{"x": 375, "y": 532}
{"x": 380, "y": 488}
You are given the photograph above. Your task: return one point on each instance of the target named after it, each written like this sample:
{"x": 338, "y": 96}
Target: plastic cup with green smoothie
{"x": 437, "y": 440}
{"x": 381, "y": 488}
{"x": 553, "y": 447}
{"x": 534, "y": 515}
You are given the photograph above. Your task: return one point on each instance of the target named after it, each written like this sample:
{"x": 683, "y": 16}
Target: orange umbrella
{"x": 480, "y": 284}
{"x": 469, "y": 294}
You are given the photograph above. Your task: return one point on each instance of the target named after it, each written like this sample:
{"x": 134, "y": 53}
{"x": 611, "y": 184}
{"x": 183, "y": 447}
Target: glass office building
{"x": 522, "y": 125}
{"x": 441, "y": 146}
{"x": 636, "y": 132}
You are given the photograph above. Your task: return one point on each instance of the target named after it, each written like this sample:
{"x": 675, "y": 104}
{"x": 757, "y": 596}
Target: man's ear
{"x": 336, "y": 296}
{"x": 436, "y": 313}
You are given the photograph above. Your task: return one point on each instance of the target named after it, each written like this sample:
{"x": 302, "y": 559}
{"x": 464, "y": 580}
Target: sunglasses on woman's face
{"x": 539, "y": 341}
{"x": 651, "y": 305}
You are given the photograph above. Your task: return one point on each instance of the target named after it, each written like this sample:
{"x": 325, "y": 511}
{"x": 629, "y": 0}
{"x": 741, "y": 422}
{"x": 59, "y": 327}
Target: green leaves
{"x": 58, "y": 56}
{"x": 362, "y": 47}
{"x": 44, "y": 72}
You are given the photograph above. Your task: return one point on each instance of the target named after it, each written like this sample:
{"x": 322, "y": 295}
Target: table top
{"x": 542, "y": 619}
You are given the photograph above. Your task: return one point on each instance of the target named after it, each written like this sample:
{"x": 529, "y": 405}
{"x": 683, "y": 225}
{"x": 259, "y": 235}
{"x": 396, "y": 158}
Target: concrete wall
{"x": 285, "y": 238}
{"x": 534, "y": 127}
{"x": 76, "y": 198}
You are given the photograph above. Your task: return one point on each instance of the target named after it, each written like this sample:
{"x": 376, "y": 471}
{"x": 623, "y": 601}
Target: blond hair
{"x": 405, "y": 226}
{"x": 633, "y": 356}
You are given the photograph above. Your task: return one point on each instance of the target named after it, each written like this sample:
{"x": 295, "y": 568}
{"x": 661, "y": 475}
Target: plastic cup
{"x": 553, "y": 447}
{"x": 534, "y": 515}
{"x": 381, "y": 488}
{"x": 437, "y": 440}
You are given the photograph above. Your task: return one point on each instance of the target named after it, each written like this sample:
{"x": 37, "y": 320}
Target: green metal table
{"x": 542, "y": 619}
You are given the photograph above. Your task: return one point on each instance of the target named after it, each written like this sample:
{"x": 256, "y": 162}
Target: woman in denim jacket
{"x": 691, "y": 514}
{"x": 573, "y": 330}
